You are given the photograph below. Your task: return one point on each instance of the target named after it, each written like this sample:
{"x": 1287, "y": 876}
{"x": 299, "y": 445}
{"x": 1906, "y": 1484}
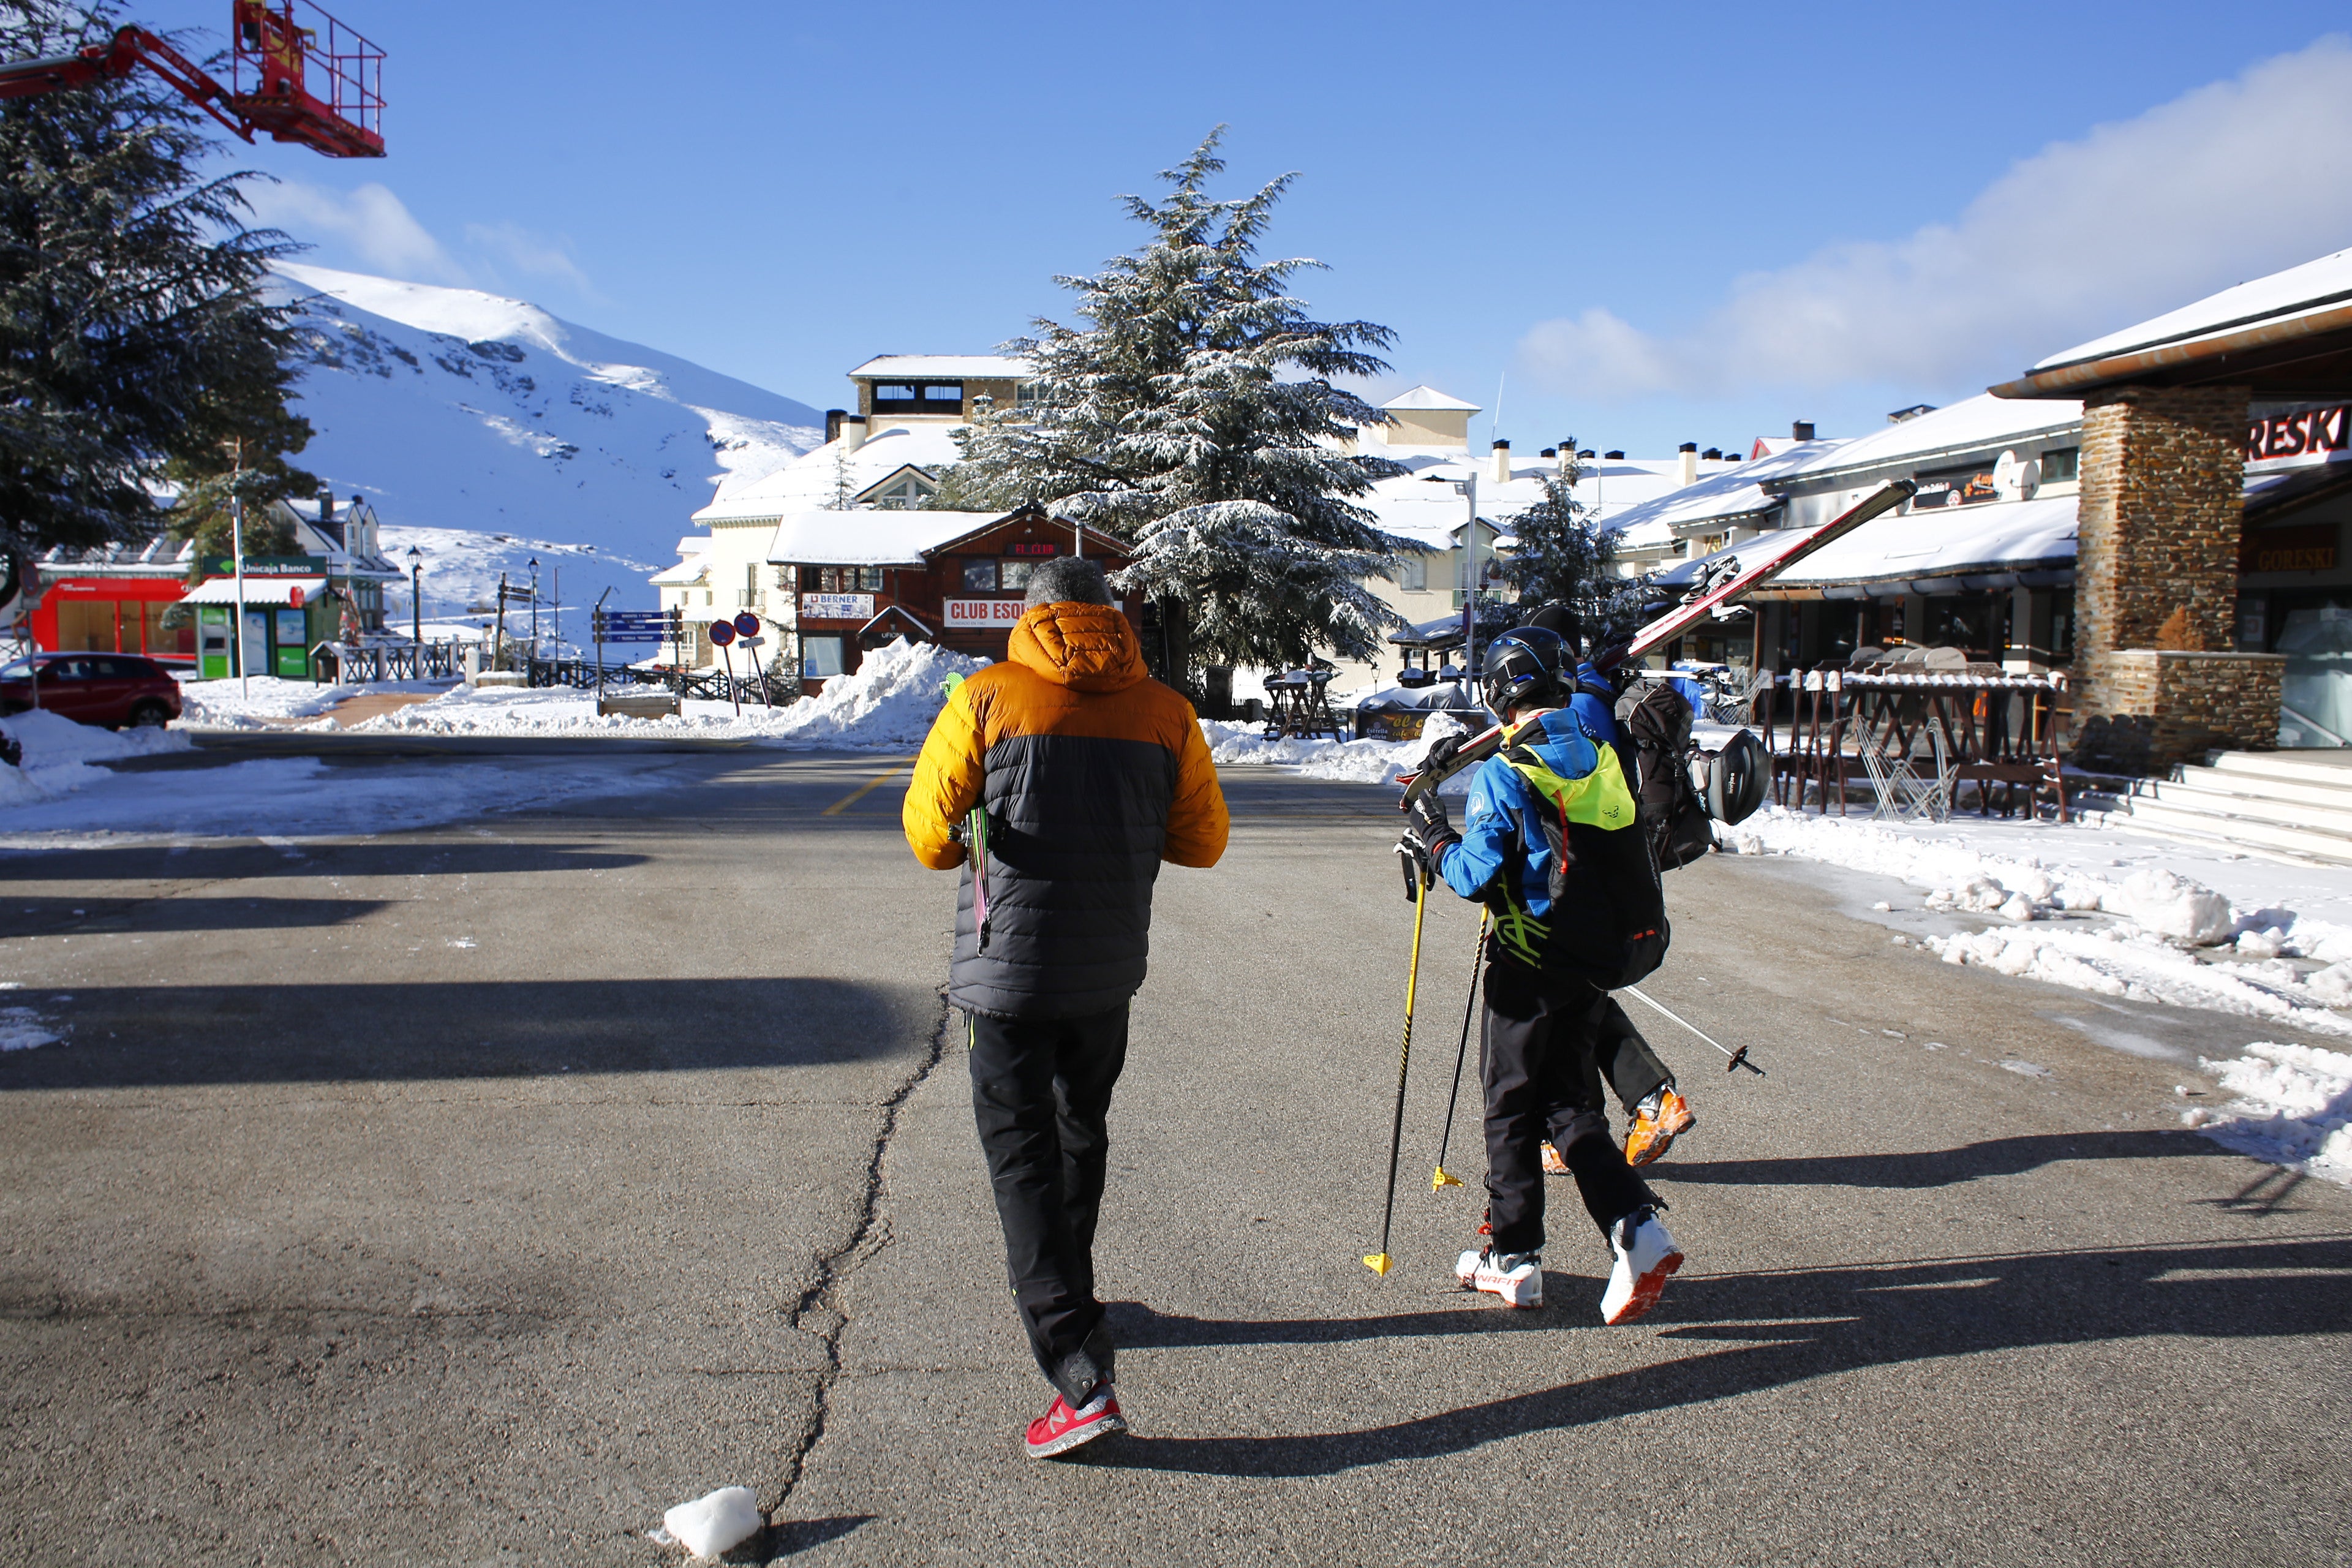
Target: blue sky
{"x": 1653, "y": 223}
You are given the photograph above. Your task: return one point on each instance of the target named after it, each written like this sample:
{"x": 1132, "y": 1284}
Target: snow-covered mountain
{"x": 483, "y": 428}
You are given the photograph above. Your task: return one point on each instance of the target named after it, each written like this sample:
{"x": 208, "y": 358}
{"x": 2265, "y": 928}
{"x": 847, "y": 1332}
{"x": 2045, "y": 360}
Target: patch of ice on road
{"x": 2293, "y": 1108}
{"x": 715, "y": 1523}
{"x": 24, "y": 1029}
{"x": 1349, "y": 762}
{"x": 891, "y": 701}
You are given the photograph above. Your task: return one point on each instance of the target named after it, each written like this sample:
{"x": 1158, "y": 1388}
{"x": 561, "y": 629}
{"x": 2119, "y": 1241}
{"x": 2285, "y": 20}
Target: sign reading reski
{"x": 2313, "y": 433}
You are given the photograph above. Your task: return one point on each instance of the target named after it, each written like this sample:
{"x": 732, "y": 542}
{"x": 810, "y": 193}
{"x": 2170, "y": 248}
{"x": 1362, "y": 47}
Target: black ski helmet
{"x": 1559, "y": 615}
{"x": 1526, "y": 666}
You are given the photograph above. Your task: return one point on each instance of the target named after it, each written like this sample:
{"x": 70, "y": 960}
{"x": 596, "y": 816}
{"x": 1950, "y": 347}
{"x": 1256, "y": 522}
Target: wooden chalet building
{"x": 862, "y": 579}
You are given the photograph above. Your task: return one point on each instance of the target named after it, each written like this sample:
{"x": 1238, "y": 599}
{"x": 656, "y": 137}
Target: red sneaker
{"x": 1061, "y": 1428}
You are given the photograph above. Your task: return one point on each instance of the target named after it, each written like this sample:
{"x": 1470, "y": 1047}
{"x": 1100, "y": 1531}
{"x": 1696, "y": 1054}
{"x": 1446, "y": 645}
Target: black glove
{"x": 1427, "y": 832}
{"x": 1441, "y": 754}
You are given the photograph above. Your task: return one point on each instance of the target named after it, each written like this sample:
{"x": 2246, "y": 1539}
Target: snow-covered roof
{"x": 1997, "y": 536}
{"x": 2295, "y": 291}
{"x": 1427, "y": 397}
{"x": 1973, "y": 425}
{"x": 983, "y": 367}
{"x": 1423, "y": 505}
{"x": 870, "y": 538}
{"x": 1723, "y": 498}
{"x": 807, "y": 482}
{"x": 258, "y": 591}
{"x": 687, "y": 574}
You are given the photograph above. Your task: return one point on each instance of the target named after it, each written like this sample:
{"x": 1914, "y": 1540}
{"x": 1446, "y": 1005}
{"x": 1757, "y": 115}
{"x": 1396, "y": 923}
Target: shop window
{"x": 1012, "y": 574}
{"x": 2062, "y": 466}
{"x": 979, "y": 576}
{"x": 821, "y": 657}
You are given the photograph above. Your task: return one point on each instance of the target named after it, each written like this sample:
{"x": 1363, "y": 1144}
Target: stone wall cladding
{"x": 2195, "y": 702}
{"x": 2162, "y": 477}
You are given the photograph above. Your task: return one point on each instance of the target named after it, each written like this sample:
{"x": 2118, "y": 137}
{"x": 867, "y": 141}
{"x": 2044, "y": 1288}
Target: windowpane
{"x": 1015, "y": 574}
{"x": 894, "y": 394}
{"x": 945, "y": 392}
{"x": 979, "y": 576}
{"x": 869, "y": 579}
{"x": 821, "y": 657}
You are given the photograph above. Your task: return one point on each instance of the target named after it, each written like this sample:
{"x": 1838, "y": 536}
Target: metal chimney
{"x": 1802, "y": 430}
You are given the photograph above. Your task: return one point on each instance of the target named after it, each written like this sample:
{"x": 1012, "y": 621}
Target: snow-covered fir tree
{"x": 1562, "y": 555}
{"x": 1193, "y": 417}
{"x": 132, "y": 329}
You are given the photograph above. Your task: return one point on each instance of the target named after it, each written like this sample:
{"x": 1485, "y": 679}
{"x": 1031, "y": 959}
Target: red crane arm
{"x": 129, "y": 48}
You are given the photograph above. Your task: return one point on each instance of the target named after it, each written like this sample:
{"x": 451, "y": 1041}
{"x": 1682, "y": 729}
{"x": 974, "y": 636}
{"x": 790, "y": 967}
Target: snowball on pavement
{"x": 2170, "y": 905}
{"x": 719, "y": 1522}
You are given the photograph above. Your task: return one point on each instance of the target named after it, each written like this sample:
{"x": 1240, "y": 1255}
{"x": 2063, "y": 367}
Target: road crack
{"x": 818, "y": 1313}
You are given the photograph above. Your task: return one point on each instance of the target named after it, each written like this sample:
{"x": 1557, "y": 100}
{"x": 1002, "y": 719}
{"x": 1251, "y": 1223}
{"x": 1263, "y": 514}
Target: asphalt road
{"x": 469, "y": 1196}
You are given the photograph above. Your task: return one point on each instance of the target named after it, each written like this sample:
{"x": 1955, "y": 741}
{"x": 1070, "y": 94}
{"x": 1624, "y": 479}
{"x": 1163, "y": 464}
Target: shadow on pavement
{"x": 1818, "y": 1322}
{"x": 218, "y": 862}
{"x": 29, "y": 915}
{"x": 1940, "y": 1167}
{"x": 123, "y": 1037}
{"x": 790, "y": 1537}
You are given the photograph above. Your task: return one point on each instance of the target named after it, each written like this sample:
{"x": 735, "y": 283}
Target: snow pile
{"x": 2293, "y": 1108}
{"x": 251, "y": 703}
{"x": 719, "y": 1522}
{"x": 2170, "y": 939}
{"x": 58, "y": 752}
{"x": 889, "y": 703}
{"x": 1349, "y": 762}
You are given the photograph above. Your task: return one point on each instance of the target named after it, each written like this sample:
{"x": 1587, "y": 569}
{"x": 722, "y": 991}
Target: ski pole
{"x": 1378, "y": 1262}
{"x": 1738, "y": 1058}
{"x": 1442, "y": 1178}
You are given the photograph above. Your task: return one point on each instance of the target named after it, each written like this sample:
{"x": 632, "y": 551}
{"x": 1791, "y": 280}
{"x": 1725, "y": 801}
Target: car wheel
{"x": 150, "y": 716}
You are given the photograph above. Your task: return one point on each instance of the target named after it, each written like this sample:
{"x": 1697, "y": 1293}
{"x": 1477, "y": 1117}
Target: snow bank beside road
{"x": 1350, "y": 762}
{"x": 58, "y": 754}
{"x": 235, "y": 704}
{"x": 2293, "y": 1108}
{"x": 2169, "y": 940}
{"x": 889, "y": 703}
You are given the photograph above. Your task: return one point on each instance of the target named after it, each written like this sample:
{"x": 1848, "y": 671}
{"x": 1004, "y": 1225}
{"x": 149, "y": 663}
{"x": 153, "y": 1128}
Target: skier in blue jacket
{"x": 1550, "y": 845}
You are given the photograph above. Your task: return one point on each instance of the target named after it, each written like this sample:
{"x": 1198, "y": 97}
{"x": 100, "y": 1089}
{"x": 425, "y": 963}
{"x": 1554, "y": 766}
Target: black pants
{"x": 1538, "y": 1061}
{"x": 1626, "y": 1060}
{"x": 1040, "y": 1091}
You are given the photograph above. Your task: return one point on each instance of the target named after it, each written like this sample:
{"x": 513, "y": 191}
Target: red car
{"x": 107, "y": 689}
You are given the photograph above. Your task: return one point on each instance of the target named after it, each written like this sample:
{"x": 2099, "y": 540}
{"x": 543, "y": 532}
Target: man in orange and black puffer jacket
{"x": 1091, "y": 774}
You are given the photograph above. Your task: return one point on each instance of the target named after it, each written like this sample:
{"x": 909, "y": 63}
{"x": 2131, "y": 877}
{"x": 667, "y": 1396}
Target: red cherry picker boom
{"x": 294, "y": 71}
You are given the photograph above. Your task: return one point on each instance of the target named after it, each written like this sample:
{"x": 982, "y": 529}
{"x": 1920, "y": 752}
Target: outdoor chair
{"x": 1903, "y": 793}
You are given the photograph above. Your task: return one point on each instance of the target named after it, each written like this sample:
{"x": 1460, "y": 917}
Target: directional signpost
{"x": 631, "y": 626}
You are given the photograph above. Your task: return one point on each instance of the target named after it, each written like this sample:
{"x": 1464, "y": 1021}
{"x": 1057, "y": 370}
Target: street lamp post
{"x": 534, "y": 607}
{"x": 416, "y": 602}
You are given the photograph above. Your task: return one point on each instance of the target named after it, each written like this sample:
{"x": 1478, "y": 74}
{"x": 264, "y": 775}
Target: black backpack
{"x": 1679, "y": 787}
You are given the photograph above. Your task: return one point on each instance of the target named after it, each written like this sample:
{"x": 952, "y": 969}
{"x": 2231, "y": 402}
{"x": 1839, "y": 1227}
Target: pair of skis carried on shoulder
{"x": 1757, "y": 562}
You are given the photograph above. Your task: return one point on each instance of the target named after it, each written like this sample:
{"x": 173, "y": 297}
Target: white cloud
{"x": 530, "y": 254}
{"x": 368, "y": 227}
{"x": 2229, "y": 182}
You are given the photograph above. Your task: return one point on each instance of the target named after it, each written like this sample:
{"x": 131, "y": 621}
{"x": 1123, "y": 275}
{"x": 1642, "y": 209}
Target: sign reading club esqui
{"x": 966, "y": 615}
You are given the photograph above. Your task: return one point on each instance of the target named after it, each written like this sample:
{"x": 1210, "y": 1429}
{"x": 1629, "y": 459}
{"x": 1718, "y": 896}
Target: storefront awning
{"x": 260, "y": 592}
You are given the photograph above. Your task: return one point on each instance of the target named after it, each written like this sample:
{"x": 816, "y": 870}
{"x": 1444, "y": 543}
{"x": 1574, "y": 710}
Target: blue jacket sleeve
{"x": 1489, "y": 838}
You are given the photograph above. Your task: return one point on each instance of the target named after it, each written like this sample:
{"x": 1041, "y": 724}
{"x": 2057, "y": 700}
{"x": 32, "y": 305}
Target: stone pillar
{"x": 2157, "y": 574}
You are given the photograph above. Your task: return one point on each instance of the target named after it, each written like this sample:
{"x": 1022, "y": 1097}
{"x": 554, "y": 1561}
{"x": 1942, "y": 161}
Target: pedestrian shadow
{"x": 148, "y": 1036}
{"x": 233, "y": 861}
{"x": 1813, "y": 1323}
{"x": 1136, "y": 1326}
{"x": 47, "y": 915}
{"x": 1940, "y": 1167}
{"x": 791, "y": 1537}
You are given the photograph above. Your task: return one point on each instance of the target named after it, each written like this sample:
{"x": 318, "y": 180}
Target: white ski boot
{"x": 1516, "y": 1277}
{"x": 1646, "y": 1255}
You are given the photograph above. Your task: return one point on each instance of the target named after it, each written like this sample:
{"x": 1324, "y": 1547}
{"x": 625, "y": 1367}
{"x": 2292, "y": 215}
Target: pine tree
{"x": 1562, "y": 555}
{"x": 132, "y": 327}
{"x": 1193, "y": 418}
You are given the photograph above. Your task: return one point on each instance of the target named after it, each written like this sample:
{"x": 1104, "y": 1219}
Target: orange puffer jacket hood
{"x": 1087, "y": 647}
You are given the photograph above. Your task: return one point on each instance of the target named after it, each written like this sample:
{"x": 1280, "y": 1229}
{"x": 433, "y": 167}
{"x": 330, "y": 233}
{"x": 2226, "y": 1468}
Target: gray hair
{"x": 1067, "y": 579}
